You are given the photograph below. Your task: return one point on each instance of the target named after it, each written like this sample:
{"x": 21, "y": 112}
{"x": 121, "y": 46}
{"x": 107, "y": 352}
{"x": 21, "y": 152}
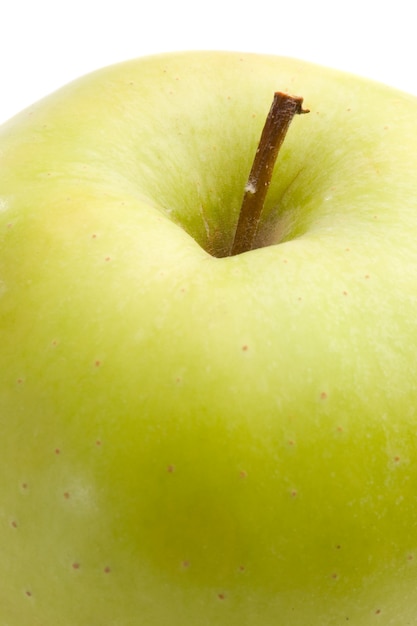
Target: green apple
{"x": 189, "y": 437}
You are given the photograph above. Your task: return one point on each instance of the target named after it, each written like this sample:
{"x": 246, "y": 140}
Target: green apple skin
{"x": 191, "y": 439}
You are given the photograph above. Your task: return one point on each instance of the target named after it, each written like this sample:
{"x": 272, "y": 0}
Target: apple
{"x": 190, "y": 436}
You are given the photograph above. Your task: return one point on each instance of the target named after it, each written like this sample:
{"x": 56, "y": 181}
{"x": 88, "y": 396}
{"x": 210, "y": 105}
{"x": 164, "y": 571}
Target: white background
{"x": 46, "y": 43}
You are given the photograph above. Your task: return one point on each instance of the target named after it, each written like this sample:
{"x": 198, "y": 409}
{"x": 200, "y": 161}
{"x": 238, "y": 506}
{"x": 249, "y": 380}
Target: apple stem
{"x": 282, "y": 111}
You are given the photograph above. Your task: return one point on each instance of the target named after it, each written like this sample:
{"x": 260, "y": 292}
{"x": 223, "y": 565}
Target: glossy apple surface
{"x": 191, "y": 439}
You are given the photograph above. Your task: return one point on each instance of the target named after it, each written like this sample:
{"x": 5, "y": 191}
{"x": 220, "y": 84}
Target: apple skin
{"x": 188, "y": 439}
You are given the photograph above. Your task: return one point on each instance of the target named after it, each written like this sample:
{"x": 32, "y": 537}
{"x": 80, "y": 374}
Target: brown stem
{"x": 282, "y": 111}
